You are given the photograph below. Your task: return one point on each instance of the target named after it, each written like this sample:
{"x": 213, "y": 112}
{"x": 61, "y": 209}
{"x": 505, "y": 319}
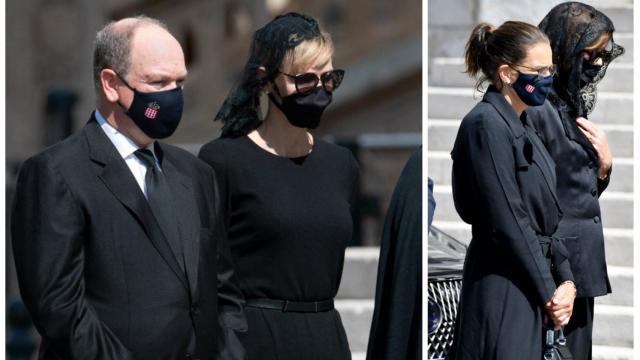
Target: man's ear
{"x": 109, "y": 83}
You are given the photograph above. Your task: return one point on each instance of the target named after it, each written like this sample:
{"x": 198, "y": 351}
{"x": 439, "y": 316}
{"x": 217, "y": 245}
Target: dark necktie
{"x": 159, "y": 198}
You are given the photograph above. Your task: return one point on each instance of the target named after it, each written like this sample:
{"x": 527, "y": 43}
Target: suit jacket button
{"x": 596, "y": 219}
{"x": 590, "y": 164}
{"x": 594, "y": 192}
{"x": 195, "y": 311}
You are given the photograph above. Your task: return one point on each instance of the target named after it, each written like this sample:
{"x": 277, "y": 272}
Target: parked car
{"x": 446, "y": 259}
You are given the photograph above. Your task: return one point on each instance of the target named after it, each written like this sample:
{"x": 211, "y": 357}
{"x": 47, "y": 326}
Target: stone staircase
{"x": 451, "y": 95}
{"x": 356, "y": 296}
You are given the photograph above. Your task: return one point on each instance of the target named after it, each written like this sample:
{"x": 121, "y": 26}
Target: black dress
{"x": 396, "y": 325}
{"x": 289, "y": 222}
{"x": 504, "y": 186}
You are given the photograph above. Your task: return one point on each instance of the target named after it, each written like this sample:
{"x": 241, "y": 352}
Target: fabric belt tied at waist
{"x": 553, "y": 248}
{"x": 291, "y": 306}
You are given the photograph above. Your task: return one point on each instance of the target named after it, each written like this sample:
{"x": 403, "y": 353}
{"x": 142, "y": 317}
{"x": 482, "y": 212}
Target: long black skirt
{"x": 498, "y": 317}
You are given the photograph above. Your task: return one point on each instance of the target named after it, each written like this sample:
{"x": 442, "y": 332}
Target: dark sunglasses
{"x": 604, "y": 54}
{"x": 306, "y": 82}
{"x": 595, "y": 55}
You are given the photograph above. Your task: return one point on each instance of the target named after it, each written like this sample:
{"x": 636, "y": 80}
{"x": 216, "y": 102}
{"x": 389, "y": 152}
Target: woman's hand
{"x": 598, "y": 139}
{"x": 560, "y": 307}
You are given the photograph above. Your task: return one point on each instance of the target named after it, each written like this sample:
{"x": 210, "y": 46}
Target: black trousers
{"x": 580, "y": 329}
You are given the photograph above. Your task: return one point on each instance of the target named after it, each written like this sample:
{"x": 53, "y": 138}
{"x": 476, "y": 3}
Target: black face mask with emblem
{"x": 158, "y": 113}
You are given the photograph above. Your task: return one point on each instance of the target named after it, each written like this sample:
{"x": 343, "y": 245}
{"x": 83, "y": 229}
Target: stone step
{"x": 613, "y": 326}
{"x": 620, "y": 14}
{"x": 450, "y": 23}
{"x": 617, "y": 208}
{"x": 621, "y": 279}
{"x": 601, "y": 352}
{"x": 455, "y": 103}
{"x": 442, "y": 135}
{"x": 610, "y": 3}
{"x": 449, "y": 72}
{"x": 360, "y": 273}
{"x": 621, "y": 177}
{"x": 626, "y": 41}
{"x": 619, "y": 246}
{"x": 356, "y": 317}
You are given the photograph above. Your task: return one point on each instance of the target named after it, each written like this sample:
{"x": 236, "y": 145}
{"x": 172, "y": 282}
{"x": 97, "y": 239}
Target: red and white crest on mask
{"x": 530, "y": 88}
{"x": 152, "y": 110}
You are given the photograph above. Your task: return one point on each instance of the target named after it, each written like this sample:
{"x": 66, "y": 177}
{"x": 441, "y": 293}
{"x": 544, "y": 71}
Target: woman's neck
{"x": 276, "y": 135}
{"x": 512, "y": 98}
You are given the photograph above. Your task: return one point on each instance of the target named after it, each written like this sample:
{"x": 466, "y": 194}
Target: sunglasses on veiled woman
{"x": 306, "y": 82}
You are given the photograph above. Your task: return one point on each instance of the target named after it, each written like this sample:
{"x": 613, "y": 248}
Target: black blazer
{"x": 503, "y": 183}
{"x": 94, "y": 269}
{"x": 578, "y": 190}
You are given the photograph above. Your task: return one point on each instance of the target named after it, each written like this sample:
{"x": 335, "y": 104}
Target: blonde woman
{"x": 287, "y": 195}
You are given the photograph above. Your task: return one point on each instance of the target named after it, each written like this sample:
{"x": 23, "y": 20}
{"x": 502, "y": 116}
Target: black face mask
{"x": 533, "y": 89}
{"x": 158, "y": 113}
{"x": 304, "y": 110}
{"x": 589, "y": 72}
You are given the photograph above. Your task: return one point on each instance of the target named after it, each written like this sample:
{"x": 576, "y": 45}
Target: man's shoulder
{"x": 184, "y": 160}
{"x": 61, "y": 162}
{"x": 65, "y": 151}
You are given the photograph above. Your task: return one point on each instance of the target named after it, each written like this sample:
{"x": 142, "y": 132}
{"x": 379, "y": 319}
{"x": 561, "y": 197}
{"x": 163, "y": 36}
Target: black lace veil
{"x": 572, "y": 27}
{"x": 240, "y": 112}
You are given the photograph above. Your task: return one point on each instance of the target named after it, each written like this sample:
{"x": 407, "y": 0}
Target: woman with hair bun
{"x": 516, "y": 275}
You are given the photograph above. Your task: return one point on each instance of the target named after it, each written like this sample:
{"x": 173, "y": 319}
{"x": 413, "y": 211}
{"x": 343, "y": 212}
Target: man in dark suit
{"x": 119, "y": 247}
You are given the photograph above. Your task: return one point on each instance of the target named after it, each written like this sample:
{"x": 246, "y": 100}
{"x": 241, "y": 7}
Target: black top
{"x": 578, "y": 190}
{"x": 289, "y": 219}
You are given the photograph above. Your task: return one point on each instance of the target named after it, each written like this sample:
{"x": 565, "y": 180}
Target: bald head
{"x": 117, "y": 44}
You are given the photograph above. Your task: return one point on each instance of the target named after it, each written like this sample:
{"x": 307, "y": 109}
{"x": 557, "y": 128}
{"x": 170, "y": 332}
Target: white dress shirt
{"x": 126, "y": 147}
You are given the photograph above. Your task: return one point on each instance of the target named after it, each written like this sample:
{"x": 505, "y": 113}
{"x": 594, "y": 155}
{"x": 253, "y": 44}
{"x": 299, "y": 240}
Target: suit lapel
{"x": 117, "y": 177}
{"x": 188, "y": 218}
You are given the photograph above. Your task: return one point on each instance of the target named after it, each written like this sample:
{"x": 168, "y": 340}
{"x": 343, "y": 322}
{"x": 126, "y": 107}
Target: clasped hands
{"x": 560, "y": 307}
